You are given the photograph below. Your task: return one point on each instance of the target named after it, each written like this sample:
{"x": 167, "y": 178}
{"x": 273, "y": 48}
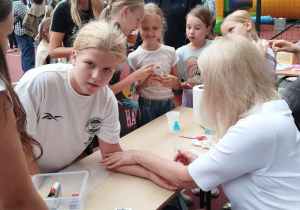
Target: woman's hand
{"x": 283, "y": 45}
{"x": 143, "y": 72}
{"x": 169, "y": 80}
{"x": 117, "y": 159}
{"x": 185, "y": 157}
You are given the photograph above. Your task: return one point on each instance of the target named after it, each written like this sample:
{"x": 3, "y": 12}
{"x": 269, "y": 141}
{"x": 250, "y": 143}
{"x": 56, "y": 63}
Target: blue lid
{"x": 176, "y": 126}
{"x": 209, "y": 132}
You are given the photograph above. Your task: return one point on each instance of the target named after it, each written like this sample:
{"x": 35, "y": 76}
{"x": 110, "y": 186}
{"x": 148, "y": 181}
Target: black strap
{"x": 19, "y": 20}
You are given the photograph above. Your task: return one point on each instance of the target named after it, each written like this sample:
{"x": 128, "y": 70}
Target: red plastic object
{"x": 200, "y": 138}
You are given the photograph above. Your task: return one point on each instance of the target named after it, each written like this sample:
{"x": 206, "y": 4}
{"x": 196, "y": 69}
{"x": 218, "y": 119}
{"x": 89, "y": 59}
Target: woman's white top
{"x": 257, "y": 161}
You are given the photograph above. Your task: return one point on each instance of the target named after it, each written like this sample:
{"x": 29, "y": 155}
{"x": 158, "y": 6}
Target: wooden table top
{"x": 288, "y": 73}
{"x": 120, "y": 190}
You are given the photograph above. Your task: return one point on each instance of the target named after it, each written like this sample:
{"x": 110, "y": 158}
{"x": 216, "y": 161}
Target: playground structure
{"x": 270, "y": 9}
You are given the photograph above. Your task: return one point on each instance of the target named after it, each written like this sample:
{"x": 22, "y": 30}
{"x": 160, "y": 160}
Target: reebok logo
{"x": 49, "y": 116}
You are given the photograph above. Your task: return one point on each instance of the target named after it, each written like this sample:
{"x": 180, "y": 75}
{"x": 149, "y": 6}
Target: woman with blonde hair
{"x": 256, "y": 158}
{"x": 69, "y": 16}
{"x": 16, "y": 146}
{"x": 240, "y": 22}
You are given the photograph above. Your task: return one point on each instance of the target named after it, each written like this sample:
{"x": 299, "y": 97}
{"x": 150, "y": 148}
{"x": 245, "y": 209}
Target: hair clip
{"x": 108, "y": 7}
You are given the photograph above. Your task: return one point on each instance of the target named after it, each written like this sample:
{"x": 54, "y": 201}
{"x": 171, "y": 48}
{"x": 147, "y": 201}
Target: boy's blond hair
{"x": 100, "y": 35}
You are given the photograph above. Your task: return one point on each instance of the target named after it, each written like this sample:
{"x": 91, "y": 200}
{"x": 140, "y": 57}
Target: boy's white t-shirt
{"x": 63, "y": 121}
{"x": 257, "y": 161}
{"x": 165, "y": 57}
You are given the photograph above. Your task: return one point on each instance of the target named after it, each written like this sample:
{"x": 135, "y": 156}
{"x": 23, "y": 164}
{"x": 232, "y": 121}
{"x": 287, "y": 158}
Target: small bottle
{"x": 176, "y": 141}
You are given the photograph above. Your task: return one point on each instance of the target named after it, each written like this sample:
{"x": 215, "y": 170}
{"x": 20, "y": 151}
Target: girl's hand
{"x": 143, "y": 72}
{"x": 117, "y": 159}
{"x": 262, "y": 48}
{"x": 169, "y": 80}
{"x": 187, "y": 85}
{"x": 185, "y": 157}
{"x": 152, "y": 80}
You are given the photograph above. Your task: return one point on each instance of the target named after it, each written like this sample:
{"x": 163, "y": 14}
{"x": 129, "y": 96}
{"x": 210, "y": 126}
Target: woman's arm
{"x": 17, "y": 190}
{"x": 55, "y": 46}
{"x": 32, "y": 166}
{"x": 283, "y": 45}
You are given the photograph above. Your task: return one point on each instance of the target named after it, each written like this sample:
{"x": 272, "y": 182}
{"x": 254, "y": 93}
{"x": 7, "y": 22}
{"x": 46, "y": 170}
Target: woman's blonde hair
{"x": 203, "y": 14}
{"x": 242, "y": 16}
{"x": 114, "y": 6}
{"x": 153, "y": 9}
{"x": 100, "y": 35}
{"x": 45, "y": 26}
{"x": 236, "y": 79}
{"x": 95, "y": 5}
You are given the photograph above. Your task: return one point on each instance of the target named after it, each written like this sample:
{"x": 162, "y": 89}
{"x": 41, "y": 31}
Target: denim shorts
{"x": 153, "y": 108}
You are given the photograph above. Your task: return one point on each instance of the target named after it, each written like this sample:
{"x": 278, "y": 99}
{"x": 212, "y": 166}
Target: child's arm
{"x": 137, "y": 75}
{"x": 172, "y": 79}
{"x": 134, "y": 170}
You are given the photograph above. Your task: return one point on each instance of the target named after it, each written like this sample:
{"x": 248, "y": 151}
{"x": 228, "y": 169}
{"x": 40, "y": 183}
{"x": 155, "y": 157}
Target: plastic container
{"x": 176, "y": 140}
{"x": 71, "y": 183}
{"x": 172, "y": 116}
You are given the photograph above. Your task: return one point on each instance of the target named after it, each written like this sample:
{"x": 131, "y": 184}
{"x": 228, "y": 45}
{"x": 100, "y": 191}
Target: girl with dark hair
{"x": 198, "y": 32}
{"x": 14, "y": 140}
